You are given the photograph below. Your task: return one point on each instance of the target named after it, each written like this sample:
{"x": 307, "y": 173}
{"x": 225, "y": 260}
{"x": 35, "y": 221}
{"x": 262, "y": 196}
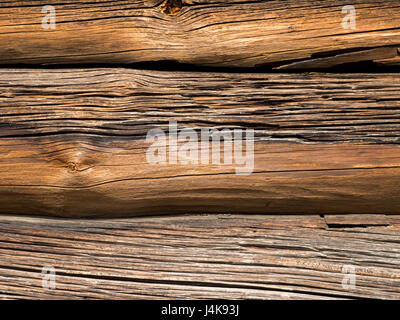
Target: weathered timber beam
{"x": 293, "y": 33}
{"x": 200, "y": 257}
{"x": 73, "y": 142}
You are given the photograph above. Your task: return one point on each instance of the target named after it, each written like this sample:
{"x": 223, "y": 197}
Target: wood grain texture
{"x": 203, "y": 32}
{"x": 73, "y": 142}
{"x": 198, "y": 257}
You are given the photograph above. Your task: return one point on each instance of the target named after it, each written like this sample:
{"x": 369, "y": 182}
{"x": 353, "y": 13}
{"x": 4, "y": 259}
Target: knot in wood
{"x": 72, "y": 166}
{"x": 171, "y": 7}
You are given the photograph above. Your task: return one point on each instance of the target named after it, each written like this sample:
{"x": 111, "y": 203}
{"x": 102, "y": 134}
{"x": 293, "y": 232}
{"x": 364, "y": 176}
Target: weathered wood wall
{"x": 73, "y": 142}
{"x": 203, "y": 32}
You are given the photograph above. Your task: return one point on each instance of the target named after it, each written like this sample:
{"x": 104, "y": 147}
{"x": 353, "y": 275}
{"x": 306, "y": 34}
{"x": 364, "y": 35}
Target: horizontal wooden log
{"x": 286, "y": 34}
{"x": 73, "y": 142}
{"x": 199, "y": 257}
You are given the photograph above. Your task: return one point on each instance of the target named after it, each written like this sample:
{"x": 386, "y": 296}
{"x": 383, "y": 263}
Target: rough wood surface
{"x": 73, "y": 142}
{"x": 191, "y": 257}
{"x": 204, "y": 32}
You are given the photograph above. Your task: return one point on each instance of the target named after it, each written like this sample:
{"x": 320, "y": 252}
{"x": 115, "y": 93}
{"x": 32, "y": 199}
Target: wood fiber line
{"x": 73, "y": 142}
{"x": 199, "y": 257}
{"x": 213, "y": 33}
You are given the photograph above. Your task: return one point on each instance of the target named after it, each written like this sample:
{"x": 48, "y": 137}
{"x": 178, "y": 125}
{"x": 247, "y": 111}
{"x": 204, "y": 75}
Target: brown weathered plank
{"x": 190, "y": 257}
{"x": 73, "y": 142}
{"x": 203, "y": 32}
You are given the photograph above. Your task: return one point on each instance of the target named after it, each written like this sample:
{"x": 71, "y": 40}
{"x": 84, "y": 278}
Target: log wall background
{"x": 76, "y": 105}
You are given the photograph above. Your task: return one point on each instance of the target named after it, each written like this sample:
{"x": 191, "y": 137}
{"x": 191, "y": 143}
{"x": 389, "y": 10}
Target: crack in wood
{"x": 356, "y": 221}
{"x": 351, "y": 56}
